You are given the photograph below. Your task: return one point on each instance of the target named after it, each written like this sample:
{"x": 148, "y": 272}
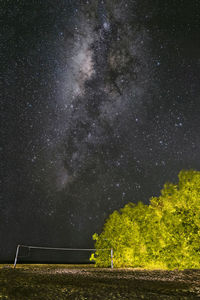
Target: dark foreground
{"x": 86, "y": 282}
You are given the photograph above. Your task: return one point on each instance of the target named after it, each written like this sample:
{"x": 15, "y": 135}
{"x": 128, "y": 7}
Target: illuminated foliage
{"x": 163, "y": 234}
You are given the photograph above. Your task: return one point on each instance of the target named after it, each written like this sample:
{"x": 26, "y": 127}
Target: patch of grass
{"x": 87, "y": 282}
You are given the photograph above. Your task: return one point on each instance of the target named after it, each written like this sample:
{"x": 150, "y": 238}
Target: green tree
{"x": 164, "y": 234}
{"x": 179, "y": 226}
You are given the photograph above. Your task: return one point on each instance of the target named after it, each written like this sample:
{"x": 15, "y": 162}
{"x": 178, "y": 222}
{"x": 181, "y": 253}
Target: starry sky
{"x": 100, "y": 107}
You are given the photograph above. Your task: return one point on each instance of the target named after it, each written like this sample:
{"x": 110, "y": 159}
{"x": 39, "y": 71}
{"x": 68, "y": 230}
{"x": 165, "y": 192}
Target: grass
{"x": 86, "y": 282}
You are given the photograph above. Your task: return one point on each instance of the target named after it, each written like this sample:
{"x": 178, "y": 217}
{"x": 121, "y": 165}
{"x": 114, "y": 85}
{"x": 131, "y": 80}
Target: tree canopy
{"x": 164, "y": 234}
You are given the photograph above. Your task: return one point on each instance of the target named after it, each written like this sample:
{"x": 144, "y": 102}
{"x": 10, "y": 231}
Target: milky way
{"x": 105, "y": 85}
{"x": 101, "y": 107}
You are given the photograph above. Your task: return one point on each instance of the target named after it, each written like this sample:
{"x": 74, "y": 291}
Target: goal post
{"x": 60, "y": 249}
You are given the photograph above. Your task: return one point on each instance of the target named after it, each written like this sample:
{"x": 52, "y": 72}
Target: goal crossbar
{"x": 61, "y": 249}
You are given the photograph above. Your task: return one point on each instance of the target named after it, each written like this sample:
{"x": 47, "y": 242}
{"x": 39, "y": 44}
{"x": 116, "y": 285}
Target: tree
{"x": 164, "y": 234}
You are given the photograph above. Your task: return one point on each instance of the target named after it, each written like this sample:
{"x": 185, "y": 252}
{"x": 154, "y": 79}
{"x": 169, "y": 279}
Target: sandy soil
{"x": 86, "y": 282}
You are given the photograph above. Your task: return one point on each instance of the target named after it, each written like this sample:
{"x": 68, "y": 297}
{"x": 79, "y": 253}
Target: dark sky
{"x": 100, "y": 107}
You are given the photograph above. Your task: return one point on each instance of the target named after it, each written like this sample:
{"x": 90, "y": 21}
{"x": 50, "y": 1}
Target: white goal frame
{"x": 61, "y": 249}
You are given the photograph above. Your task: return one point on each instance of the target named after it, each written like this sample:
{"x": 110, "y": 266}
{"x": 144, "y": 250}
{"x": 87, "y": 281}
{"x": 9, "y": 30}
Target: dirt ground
{"x": 86, "y": 282}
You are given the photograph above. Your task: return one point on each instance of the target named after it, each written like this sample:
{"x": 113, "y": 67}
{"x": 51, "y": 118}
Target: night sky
{"x": 100, "y": 107}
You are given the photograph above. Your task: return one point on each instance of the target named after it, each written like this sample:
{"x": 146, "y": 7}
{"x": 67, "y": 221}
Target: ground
{"x": 86, "y": 282}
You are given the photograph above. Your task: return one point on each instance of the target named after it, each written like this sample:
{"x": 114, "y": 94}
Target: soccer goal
{"x": 29, "y": 248}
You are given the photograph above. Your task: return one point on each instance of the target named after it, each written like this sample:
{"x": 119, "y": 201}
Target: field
{"x": 86, "y": 282}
